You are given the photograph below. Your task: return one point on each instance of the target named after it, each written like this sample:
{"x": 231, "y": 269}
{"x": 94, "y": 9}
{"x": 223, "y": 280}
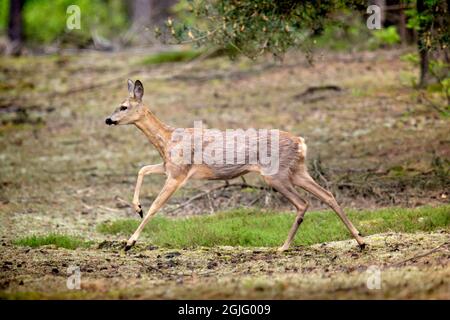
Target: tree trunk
{"x": 150, "y": 12}
{"x": 140, "y": 13}
{"x": 422, "y": 47}
{"x": 145, "y": 15}
{"x": 161, "y": 10}
{"x": 402, "y": 25}
{"x": 15, "y": 32}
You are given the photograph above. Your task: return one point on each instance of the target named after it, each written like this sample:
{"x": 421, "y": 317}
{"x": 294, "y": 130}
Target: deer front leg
{"x": 155, "y": 168}
{"x": 171, "y": 185}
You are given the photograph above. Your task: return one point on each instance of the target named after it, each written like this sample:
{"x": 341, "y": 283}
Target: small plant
{"x": 385, "y": 37}
{"x": 440, "y": 73}
{"x": 58, "y": 240}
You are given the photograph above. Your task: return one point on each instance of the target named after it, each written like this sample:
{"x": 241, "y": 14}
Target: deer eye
{"x": 123, "y": 108}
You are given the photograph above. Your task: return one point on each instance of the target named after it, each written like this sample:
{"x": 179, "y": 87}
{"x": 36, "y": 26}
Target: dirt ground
{"x": 371, "y": 139}
{"x": 409, "y": 266}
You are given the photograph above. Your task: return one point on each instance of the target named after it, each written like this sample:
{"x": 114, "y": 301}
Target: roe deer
{"x": 291, "y": 170}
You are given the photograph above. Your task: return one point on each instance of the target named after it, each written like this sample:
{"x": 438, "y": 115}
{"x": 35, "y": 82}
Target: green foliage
{"x": 345, "y": 32}
{"x": 412, "y": 58}
{"x": 4, "y": 13}
{"x": 385, "y": 37}
{"x": 45, "y": 21}
{"x": 184, "y": 12}
{"x": 440, "y": 71}
{"x": 254, "y": 27}
{"x": 58, "y": 240}
{"x": 250, "y": 227}
{"x": 171, "y": 56}
{"x": 431, "y": 23}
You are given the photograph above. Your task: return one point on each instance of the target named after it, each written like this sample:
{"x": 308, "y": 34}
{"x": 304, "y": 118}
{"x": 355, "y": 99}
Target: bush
{"x": 440, "y": 73}
{"x": 4, "y": 9}
{"x": 346, "y": 32}
{"x": 385, "y": 37}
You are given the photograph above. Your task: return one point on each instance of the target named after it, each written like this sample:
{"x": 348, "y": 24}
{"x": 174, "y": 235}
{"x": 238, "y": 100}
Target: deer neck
{"x": 157, "y": 132}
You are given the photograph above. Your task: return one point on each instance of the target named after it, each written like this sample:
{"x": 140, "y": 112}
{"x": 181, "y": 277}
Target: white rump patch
{"x": 302, "y": 148}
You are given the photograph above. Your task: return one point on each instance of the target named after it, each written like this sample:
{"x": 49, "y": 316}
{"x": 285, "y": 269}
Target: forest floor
{"x": 372, "y": 139}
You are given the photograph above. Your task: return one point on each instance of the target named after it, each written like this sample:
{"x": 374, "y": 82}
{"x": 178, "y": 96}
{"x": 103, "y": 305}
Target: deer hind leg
{"x": 155, "y": 168}
{"x": 304, "y": 180}
{"x": 171, "y": 185}
{"x": 288, "y": 190}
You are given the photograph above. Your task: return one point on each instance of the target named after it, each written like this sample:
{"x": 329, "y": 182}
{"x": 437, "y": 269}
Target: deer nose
{"x": 109, "y": 122}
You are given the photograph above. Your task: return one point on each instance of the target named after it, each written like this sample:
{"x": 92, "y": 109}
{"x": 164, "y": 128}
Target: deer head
{"x": 131, "y": 109}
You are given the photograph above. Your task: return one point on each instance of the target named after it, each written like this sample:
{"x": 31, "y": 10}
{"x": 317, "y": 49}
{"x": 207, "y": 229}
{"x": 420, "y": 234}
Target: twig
{"x": 313, "y": 89}
{"x": 256, "y": 200}
{"x": 317, "y": 168}
{"x": 211, "y": 205}
{"x": 207, "y": 192}
{"x": 229, "y": 200}
{"x": 109, "y": 209}
{"x": 421, "y": 255}
{"x": 432, "y": 104}
{"x": 122, "y": 201}
{"x": 199, "y": 38}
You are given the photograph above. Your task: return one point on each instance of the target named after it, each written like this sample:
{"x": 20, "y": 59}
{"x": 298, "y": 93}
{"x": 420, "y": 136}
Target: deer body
{"x": 291, "y": 168}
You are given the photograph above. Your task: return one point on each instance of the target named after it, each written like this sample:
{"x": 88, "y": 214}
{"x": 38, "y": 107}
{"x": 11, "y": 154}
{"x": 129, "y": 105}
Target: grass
{"x": 58, "y": 240}
{"x": 171, "y": 56}
{"x": 250, "y": 227}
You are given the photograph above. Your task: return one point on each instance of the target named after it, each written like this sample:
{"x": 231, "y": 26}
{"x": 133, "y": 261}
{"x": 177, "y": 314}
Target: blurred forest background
{"x": 248, "y": 27}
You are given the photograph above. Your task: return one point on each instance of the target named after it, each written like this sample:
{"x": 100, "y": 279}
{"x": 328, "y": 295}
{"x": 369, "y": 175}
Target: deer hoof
{"x": 129, "y": 246}
{"x": 282, "y": 249}
{"x": 139, "y": 211}
{"x": 362, "y": 246}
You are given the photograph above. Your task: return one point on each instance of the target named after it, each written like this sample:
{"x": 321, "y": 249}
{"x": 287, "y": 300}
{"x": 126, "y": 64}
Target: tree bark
{"x": 422, "y": 47}
{"x": 402, "y": 25}
{"x": 146, "y": 13}
{"x": 161, "y": 10}
{"x": 140, "y": 13}
{"x": 15, "y": 29}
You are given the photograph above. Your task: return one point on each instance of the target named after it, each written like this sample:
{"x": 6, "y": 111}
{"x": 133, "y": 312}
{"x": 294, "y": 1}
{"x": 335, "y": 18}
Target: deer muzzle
{"x": 109, "y": 122}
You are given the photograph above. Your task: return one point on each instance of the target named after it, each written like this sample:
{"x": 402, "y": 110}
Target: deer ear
{"x": 130, "y": 88}
{"x": 138, "y": 90}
